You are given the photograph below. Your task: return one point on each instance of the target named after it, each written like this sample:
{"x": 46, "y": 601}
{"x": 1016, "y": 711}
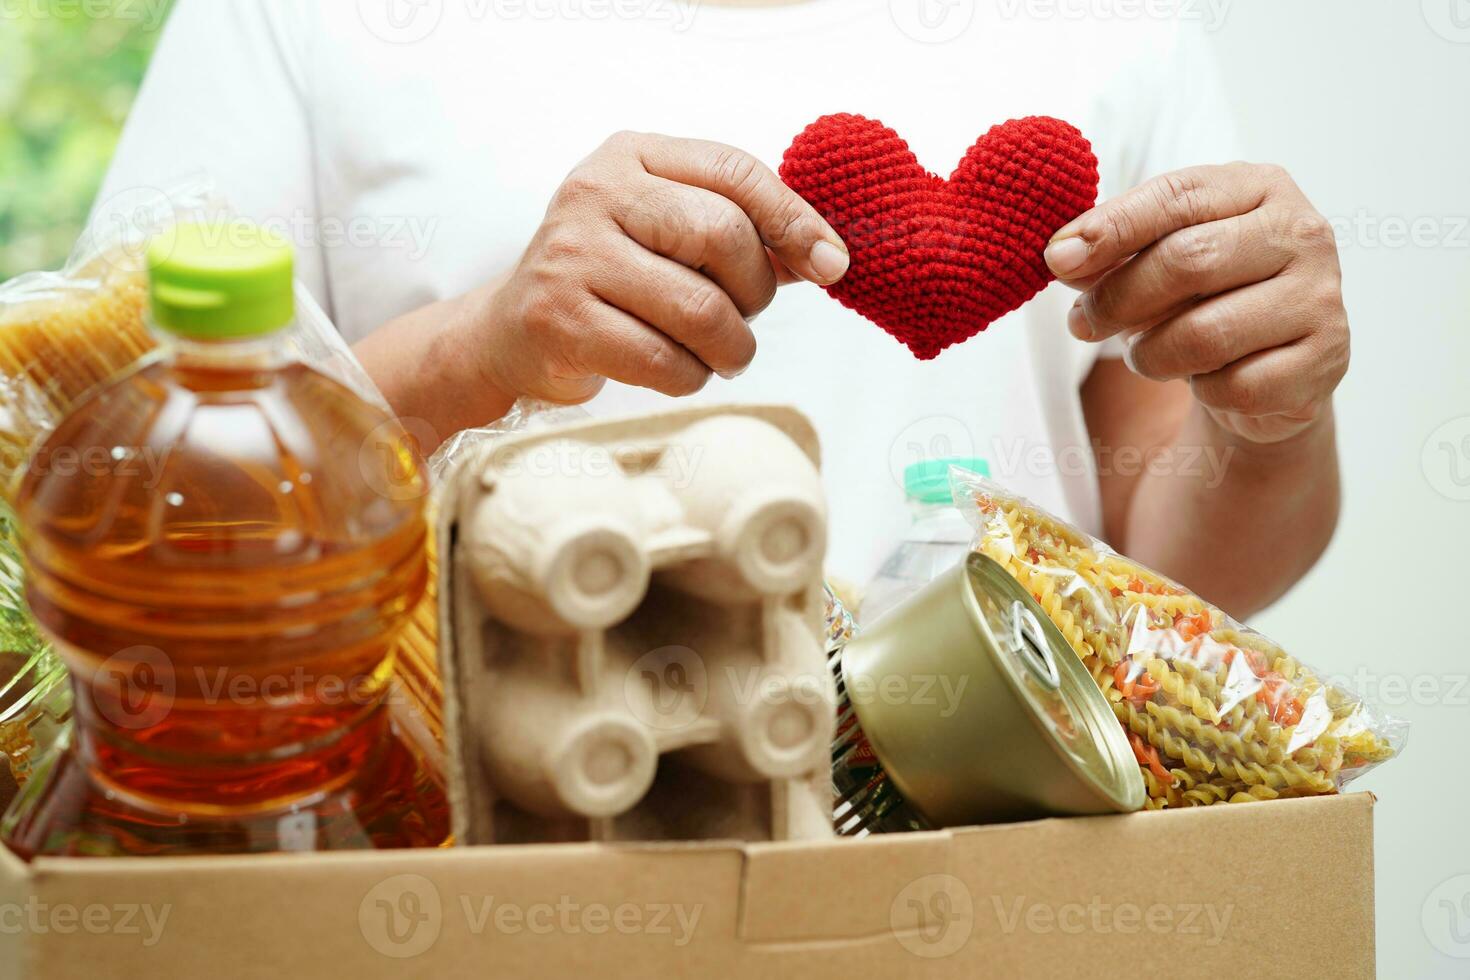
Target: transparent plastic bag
{"x": 526, "y": 415}
{"x": 864, "y": 799}
{"x": 1215, "y": 711}
{"x": 63, "y": 333}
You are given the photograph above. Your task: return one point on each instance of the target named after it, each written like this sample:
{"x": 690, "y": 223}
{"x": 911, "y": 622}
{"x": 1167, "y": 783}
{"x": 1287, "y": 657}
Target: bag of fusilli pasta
{"x": 1216, "y": 712}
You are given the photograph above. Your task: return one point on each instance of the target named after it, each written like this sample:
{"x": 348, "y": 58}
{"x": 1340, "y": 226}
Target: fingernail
{"x": 1066, "y": 255}
{"x": 1078, "y": 323}
{"x": 829, "y": 262}
{"x": 1129, "y": 342}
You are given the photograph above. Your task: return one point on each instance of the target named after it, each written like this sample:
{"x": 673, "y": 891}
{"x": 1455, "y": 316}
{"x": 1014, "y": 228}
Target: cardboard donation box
{"x": 602, "y": 829}
{"x": 1267, "y": 890}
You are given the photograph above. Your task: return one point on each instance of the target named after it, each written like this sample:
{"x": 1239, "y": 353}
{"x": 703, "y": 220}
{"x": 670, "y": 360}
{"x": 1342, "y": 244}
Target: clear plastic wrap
{"x": 63, "y": 333}
{"x": 1215, "y": 711}
{"x": 526, "y": 415}
{"x": 864, "y": 799}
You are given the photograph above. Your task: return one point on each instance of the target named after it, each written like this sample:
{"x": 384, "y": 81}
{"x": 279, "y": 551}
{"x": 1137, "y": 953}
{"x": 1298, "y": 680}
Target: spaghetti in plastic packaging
{"x": 1215, "y": 712}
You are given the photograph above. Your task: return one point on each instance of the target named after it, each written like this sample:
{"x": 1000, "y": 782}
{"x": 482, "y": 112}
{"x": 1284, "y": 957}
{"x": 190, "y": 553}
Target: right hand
{"x": 654, "y": 256}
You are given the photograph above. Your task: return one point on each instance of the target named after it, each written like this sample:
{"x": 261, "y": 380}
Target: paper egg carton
{"x": 631, "y": 623}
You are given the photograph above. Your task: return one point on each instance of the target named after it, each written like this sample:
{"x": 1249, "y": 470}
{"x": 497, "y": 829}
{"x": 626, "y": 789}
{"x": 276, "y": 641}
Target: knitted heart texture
{"x": 935, "y": 262}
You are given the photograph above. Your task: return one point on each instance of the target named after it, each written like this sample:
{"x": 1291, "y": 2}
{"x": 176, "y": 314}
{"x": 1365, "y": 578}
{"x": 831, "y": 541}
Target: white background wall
{"x": 1368, "y": 104}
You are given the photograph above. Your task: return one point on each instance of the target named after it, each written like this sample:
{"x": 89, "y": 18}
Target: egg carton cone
{"x": 631, "y": 616}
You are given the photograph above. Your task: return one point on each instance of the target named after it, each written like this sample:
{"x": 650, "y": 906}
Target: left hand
{"x": 1223, "y": 275}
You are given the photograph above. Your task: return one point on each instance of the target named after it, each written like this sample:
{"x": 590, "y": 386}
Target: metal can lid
{"x": 1066, "y": 703}
{"x": 1027, "y": 733}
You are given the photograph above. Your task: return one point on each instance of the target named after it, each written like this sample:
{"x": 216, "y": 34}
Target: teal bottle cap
{"x": 928, "y": 481}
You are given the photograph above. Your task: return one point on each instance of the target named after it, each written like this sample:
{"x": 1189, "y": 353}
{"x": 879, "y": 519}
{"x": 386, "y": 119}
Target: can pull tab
{"x": 1029, "y": 638}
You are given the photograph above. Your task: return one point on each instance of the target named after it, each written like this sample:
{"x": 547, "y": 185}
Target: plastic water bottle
{"x": 936, "y": 541}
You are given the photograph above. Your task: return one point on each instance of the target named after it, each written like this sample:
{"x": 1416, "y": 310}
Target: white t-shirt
{"x": 411, "y": 147}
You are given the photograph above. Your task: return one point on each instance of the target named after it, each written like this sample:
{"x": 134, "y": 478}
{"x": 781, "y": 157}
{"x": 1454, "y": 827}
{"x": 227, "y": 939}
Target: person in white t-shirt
{"x": 485, "y": 210}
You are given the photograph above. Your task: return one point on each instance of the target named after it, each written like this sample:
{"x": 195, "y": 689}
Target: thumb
{"x": 784, "y": 276}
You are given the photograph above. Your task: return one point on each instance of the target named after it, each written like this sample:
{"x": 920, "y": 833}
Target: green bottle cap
{"x": 220, "y": 280}
{"x": 928, "y": 481}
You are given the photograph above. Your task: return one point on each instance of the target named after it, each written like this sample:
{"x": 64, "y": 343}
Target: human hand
{"x": 1222, "y": 275}
{"x": 653, "y": 257}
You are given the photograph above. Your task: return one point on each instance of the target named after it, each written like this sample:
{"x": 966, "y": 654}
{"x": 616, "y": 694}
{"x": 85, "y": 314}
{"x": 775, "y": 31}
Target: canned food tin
{"x": 965, "y": 705}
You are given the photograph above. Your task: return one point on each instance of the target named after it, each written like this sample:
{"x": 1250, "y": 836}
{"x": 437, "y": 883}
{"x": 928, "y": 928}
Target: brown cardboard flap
{"x": 846, "y": 889}
{"x": 349, "y": 914}
{"x": 1158, "y": 888}
{"x": 1281, "y": 889}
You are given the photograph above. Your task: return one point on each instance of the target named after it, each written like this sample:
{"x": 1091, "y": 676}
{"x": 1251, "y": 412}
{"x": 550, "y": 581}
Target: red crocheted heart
{"x": 935, "y": 262}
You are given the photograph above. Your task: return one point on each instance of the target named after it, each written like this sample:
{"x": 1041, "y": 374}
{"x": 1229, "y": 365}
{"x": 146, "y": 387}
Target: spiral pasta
{"x": 1215, "y": 713}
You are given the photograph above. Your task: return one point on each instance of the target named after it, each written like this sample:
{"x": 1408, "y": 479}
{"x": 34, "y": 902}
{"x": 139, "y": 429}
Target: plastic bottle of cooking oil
{"x": 223, "y": 545}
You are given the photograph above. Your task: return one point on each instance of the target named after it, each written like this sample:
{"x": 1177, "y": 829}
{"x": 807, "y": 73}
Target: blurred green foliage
{"x": 69, "y": 70}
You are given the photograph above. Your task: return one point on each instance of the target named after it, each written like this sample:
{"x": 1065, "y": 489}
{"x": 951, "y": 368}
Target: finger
{"x": 1223, "y": 329}
{"x": 1287, "y": 381}
{"x": 684, "y": 305}
{"x": 1184, "y": 266}
{"x": 788, "y": 225}
{"x": 784, "y": 276}
{"x": 616, "y": 345}
{"x": 705, "y": 232}
{"x": 1129, "y": 223}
